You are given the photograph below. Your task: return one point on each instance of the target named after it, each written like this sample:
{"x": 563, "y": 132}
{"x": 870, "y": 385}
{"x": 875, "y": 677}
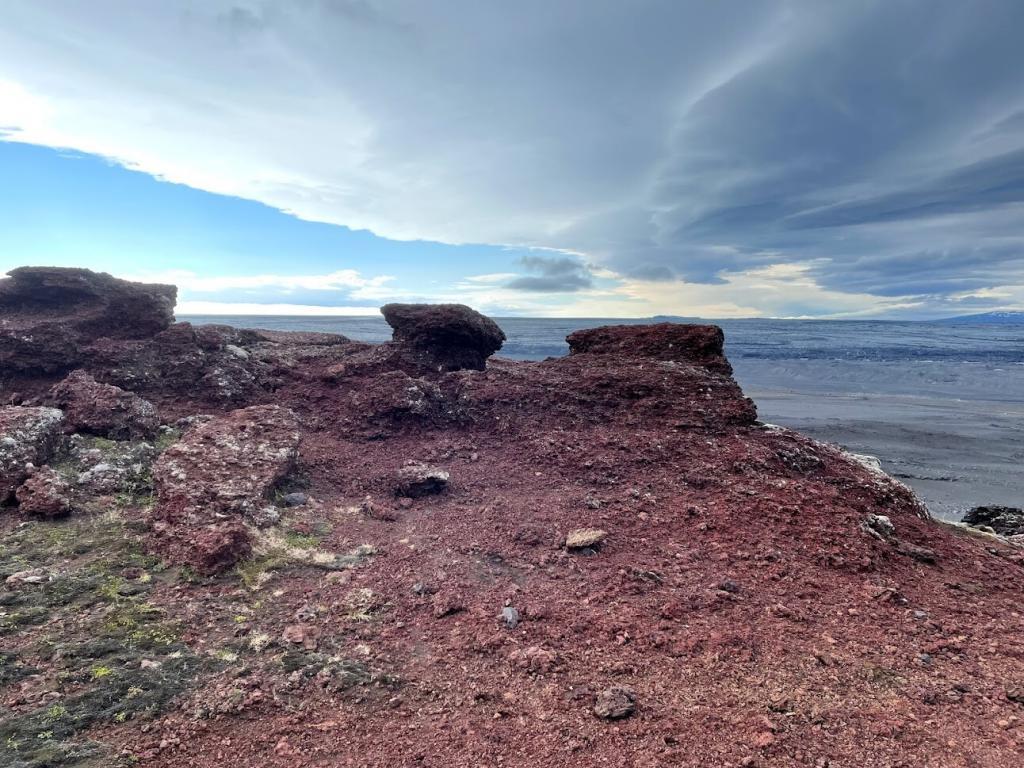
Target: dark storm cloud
{"x": 554, "y": 274}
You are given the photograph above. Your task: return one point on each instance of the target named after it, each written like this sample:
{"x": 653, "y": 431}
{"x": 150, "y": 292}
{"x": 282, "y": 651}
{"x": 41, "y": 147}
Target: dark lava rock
{"x": 48, "y": 315}
{"x": 210, "y": 362}
{"x": 45, "y": 494}
{"x": 103, "y": 409}
{"x": 445, "y": 337}
{"x": 696, "y": 344}
{"x": 615, "y": 703}
{"x": 294, "y": 499}
{"x": 419, "y": 479}
{"x": 220, "y": 471}
{"x": 27, "y": 436}
{"x": 1006, "y": 521}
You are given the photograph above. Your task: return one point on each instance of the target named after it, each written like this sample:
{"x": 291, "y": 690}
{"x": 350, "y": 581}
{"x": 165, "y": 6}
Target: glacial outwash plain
{"x": 230, "y": 547}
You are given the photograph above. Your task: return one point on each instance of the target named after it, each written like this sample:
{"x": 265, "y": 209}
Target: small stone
{"x": 585, "y": 538}
{"x": 447, "y": 603}
{"x": 879, "y": 526}
{"x": 31, "y": 576}
{"x": 534, "y": 660}
{"x": 305, "y": 635}
{"x": 921, "y": 554}
{"x": 294, "y": 499}
{"x": 615, "y": 703}
{"x": 510, "y": 616}
{"x": 264, "y": 517}
{"x": 728, "y": 585}
{"x": 418, "y": 479}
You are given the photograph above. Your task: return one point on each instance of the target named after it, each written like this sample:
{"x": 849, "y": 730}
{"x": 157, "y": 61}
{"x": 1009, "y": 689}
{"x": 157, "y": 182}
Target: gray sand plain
{"x": 955, "y": 454}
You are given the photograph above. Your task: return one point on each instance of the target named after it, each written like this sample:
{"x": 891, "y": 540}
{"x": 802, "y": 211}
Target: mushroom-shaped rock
{"x": 103, "y": 409}
{"x": 695, "y": 344}
{"x": 27, "y": 436}
{"x": 446, "y": 337}
{"x": 220, "y": 472}
{"x": 48, "y": 315}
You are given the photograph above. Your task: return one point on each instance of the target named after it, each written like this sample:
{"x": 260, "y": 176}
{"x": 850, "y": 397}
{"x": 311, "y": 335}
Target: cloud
{"x": 343, "y": 290}
{"x": 348, "y": 280}
{"x": 877, "y": 145}
{"x": 554, "y": 274}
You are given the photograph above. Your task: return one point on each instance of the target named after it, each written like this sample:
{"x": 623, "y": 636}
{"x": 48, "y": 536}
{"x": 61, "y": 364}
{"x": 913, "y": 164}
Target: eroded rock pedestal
{"x": 444, "y": 337}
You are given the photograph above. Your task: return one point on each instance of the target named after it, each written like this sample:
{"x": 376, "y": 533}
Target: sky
{"x": 578, "y": 158}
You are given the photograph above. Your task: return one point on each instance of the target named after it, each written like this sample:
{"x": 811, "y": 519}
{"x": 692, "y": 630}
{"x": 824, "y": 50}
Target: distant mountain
{"x": 1009, "y": 317}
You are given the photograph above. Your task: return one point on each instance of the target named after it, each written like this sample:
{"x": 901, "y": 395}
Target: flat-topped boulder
{"x": 446, "y": 337}
{"x": 28, "y": 436}
{"x": 696, "y": 344}
{"x": 48, "y": 315}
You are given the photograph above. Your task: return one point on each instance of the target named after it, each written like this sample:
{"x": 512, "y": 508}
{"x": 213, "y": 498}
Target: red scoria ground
{"x": 737, "y": 593}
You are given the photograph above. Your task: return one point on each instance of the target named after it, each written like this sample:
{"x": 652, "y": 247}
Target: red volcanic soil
{"x": 747, "y": 607}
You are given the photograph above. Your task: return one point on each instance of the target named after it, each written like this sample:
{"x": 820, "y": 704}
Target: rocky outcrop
{"x": 604, "y": 390}
{"x": 1006, "y": 521}
{"x": 444, "y": 337}
{"x": 216, "y": 476}
{"x": 28, "y": 436}
{"x": 49, "y": 315}
{"x": 695, "y": 344}
{"x": 103, "y": 409}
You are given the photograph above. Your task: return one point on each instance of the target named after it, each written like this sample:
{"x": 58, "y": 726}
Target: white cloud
{"x": 348, "y": 280}
{"x": 249, "y": 308}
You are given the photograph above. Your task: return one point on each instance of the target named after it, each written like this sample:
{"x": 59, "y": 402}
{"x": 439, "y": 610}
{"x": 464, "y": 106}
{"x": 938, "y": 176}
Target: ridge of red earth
{"x": 759, "y": 599}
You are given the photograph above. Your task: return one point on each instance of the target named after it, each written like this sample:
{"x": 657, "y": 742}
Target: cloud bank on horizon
{"x": 777, "y": 157}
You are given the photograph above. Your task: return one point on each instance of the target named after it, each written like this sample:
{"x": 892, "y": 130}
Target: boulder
{"x": 103, "y": 409}
{"x": 219, "y": 473}
{"x": 445, "y": 337}
{"x": 48, "y": 315}
{"x": 44, "y": 494}
{"x": 695, "y": 344}
{"x": 1006, "y": 521}
{"x": 27, "y": 436}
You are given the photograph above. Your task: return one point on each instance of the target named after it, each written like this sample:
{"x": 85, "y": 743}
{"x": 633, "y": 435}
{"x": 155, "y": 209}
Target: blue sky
{"x": 599, "y": 158}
